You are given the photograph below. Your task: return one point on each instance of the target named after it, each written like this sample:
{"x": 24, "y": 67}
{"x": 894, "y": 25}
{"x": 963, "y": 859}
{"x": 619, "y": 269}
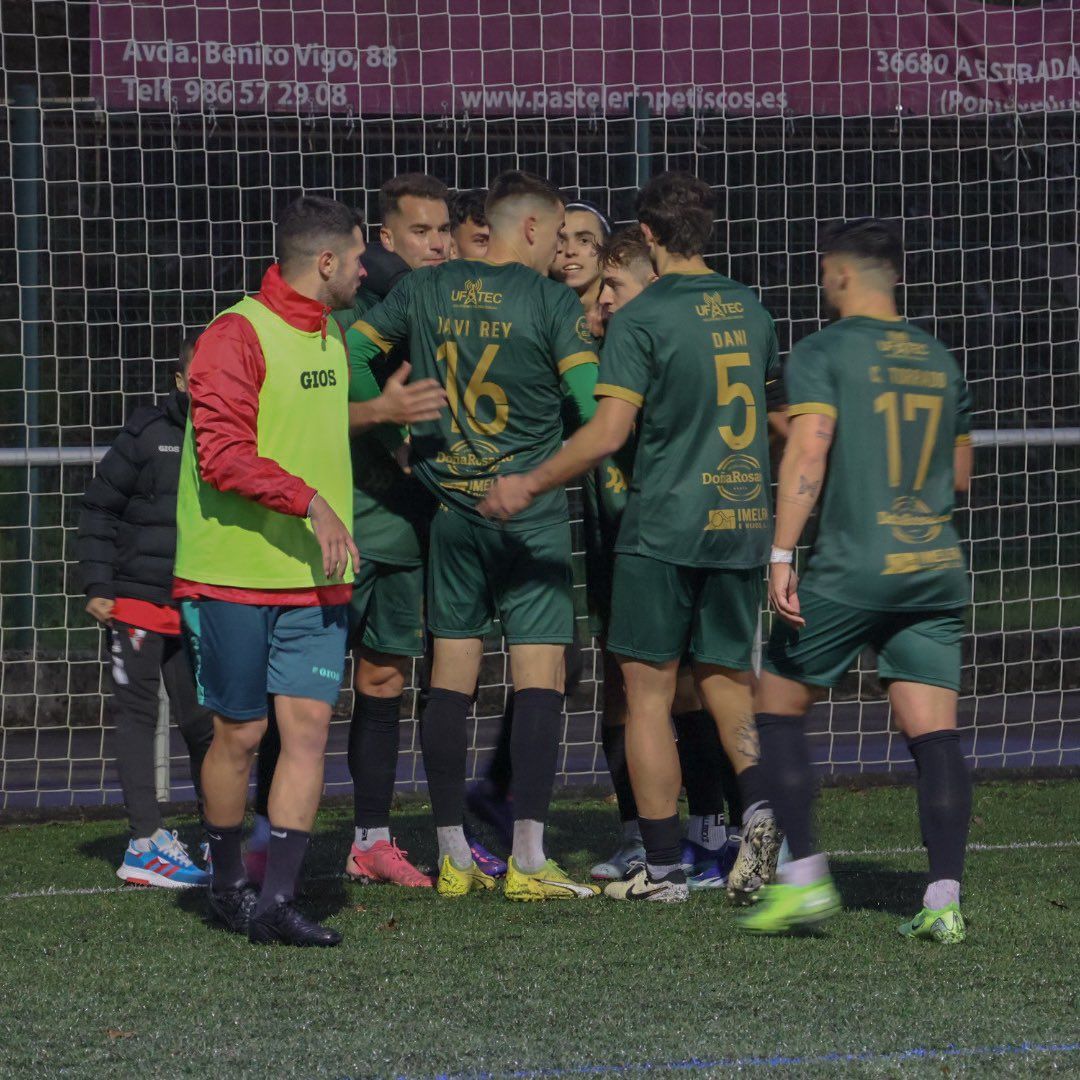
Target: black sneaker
{"x": 285, "y": 924}
{"x": 233, "y": 908}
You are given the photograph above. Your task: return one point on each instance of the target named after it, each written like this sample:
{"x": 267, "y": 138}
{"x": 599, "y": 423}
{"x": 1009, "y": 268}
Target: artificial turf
{"x": 135, "y": 982}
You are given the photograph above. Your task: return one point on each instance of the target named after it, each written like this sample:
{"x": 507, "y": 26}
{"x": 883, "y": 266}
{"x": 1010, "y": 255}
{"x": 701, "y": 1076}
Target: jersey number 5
{"x": 889, "y": 404}
{"x": 728, "y": 392}
{"x": 477, "y": 388}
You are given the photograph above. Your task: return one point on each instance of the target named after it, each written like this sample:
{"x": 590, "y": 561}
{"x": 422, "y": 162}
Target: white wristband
{"x": 781, "y": 555}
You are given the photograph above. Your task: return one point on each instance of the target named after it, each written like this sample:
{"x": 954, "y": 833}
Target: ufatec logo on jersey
{"x": 310, "y": 380}
{"x": 713, "y": 307}
{"x": 583, "y": 330}
{"x": 897, "y": 345}
{"x": 474, "y": 295}
{"x": 912, "y": 521}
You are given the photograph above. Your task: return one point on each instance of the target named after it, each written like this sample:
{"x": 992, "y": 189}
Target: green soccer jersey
{"x": 693, "y": 350}
{"x": 885, "y": 539}
{"x": 391, "y": 511}
{"x": 502, "y": 339}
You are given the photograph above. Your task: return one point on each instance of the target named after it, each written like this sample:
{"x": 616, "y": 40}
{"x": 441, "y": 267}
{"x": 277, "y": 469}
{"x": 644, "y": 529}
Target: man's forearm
{"x": 801, "y": 478}
{"x": 580, "y": 454}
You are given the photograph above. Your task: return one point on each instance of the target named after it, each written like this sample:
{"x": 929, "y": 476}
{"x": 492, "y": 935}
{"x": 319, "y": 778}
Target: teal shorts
{"x": 663, "y": 612}
{"x": 387, "y": 610}
{"x": 911, "y": 646}
{"x": 477, "y": 573}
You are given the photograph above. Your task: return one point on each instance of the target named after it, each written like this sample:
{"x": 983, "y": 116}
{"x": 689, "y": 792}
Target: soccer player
{"x": 391, "y": 518}
{"x": 263, "y": 552}
{"x": 126, "y": 544}
{"x": 577, "y": 261}
{"x": 880, "y": 408}
{"x": 708, "y": 851}
{"x": 686, "y": 362}
{"x": 508, "y": 345}
{"x": 469, "y": 229}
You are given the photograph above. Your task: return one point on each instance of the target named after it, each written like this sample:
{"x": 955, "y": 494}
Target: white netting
{"x": 144, "y": 163}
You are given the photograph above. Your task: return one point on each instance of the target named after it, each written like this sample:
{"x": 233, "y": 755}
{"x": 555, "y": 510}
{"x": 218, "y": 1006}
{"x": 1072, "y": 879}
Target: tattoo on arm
{"x": 809, "y": 487}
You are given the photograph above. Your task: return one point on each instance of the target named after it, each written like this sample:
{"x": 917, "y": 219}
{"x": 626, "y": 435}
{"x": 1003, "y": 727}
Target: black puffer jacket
{"x": 126, "y": 544}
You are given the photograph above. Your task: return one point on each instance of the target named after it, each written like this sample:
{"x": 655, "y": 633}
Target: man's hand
{"x": 783, "y": 593}
{"x": 509, "y": 495}
{"x": 402, "y": 402}
{"x": 101, "y": 609}
{"x": 334, "y": 538}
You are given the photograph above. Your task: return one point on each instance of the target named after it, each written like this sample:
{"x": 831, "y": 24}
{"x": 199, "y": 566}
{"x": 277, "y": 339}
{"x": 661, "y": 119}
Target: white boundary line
{"x": 1022, "y": 845}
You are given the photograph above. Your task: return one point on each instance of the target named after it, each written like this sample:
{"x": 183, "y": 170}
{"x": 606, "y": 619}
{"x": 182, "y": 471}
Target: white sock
{"x": 529, "y": 846}
{"x": 366, "y": 839}
{"x": 658, "y": 872}
{"x": 808, "y": 871}
{"x": 631, "y": 832}
{"x": 941, "y": 894}
{"x": 707, "y": 830}
{"x": 752, "y": 809}
{"x": 142, "y": 843}
{"x": 259, "y": 840}
{"x": 452, "y": 842}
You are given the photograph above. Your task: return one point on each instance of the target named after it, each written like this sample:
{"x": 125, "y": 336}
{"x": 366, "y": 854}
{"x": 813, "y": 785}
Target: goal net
{"x": 148, "y": 146}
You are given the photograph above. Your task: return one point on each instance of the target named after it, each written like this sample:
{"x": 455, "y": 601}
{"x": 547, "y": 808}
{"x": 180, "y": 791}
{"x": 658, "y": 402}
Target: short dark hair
{"x": 468, "y": 206}
{"x": 870, "y": 239}
{"x": 187, "y": 351}
{"x": 626, "y": 246}
{"x": 515, "y": 183}
{"x": 678, "y": 208}
{"x": 417, "y": 184}
{"x": 312, "y": 222}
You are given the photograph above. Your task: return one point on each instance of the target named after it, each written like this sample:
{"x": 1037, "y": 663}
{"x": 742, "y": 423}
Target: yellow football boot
{"x": 547, "y": 883}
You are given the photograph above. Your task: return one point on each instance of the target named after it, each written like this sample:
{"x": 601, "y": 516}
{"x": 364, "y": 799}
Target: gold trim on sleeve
{"x": 576, "y": 360}
{"x": 607, "y": 390}
{"x": 963, "y": 440}
{"x": 818, "y": 408}
{"x": 371, "y": 333}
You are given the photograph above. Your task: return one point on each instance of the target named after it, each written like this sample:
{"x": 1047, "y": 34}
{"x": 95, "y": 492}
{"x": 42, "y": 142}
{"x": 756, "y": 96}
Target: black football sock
{"x": 284, "y": 861}
{"x": 613, "y": 738}
{"x": 373, "y": 754}
{"x": 729, "y": 782}
{"x": 443, "y": 742}
{"x": 663, "y": 845}
{"x": 226, "y": 856}
{"x": 701, "y": 756}
{"x": 269, "y": 752}
{"x": 787, "y": 779}
{"x": 944, "y": 789}
{"x": 500, "y": 770}
{"x": 753, "y": 793}
{"x": 534, "y": 746}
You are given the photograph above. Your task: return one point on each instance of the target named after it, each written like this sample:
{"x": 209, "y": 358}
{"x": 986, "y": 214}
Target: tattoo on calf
{"x": 809, "y": 487}
{"x": 746, "y": 738}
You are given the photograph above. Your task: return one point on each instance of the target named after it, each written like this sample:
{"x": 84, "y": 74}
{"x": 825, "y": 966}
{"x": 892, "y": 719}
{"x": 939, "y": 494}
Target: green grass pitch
{"x": 122, "y": 983}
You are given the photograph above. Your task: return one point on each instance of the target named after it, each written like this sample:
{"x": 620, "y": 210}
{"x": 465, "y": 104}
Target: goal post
{"x": 148, "y": 147}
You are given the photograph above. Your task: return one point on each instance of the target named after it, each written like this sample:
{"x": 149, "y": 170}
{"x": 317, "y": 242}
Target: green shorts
{"x": 661, "y": 611}
{"x": 387, "y": 609}
{"x": 912, "y": 646}
{"x": 477, "y": 574}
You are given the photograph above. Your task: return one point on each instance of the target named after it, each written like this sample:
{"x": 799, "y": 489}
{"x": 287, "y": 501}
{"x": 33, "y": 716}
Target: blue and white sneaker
{"x": 629, "y": 858}
{"x": 714, "y": 874}
{"x": 161, "y": 860}
{"x": 695, "y": 858}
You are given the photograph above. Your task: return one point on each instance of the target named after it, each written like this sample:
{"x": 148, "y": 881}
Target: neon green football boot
{"x": 453, "y": 882}
{"x": 782, "y": 909}
{"x": 943, "y": 925}
{"x": 550, "y": 882}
